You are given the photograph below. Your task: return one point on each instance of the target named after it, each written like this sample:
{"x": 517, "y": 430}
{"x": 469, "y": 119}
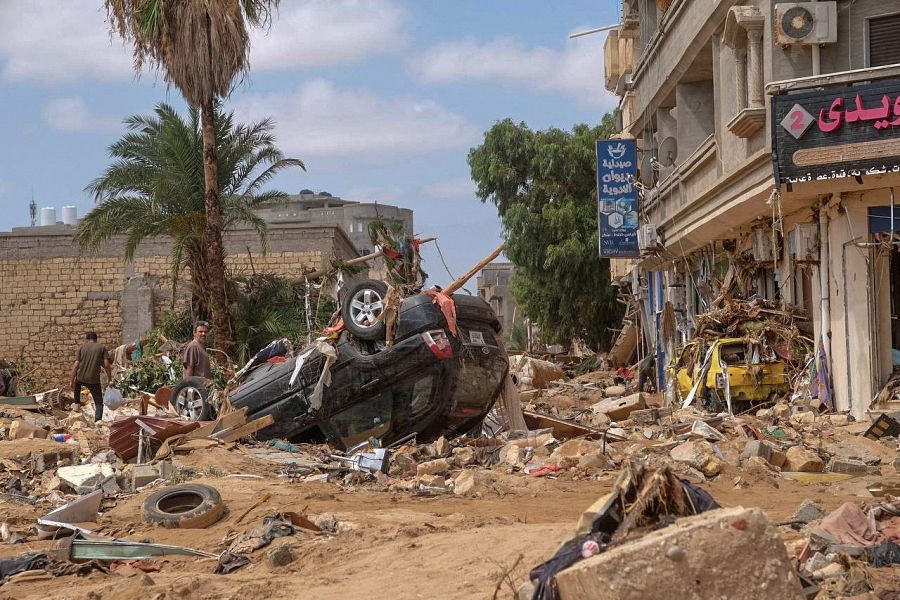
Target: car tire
{"x": 188, "y": 506}
{"x": 190, "y": 399}
{"x": 362, "y": 306}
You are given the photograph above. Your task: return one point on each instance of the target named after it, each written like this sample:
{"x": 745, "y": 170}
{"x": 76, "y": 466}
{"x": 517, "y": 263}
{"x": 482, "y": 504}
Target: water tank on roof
{"x": 69, "y": 215}
{"x": 306, "y": 192}
{"x": 48, "y": 216}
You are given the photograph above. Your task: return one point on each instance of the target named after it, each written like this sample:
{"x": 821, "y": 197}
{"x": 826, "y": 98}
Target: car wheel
{"x": 189, "y": 399}
{"x": 188, "y": 506}
{"x": 363, "y": 305}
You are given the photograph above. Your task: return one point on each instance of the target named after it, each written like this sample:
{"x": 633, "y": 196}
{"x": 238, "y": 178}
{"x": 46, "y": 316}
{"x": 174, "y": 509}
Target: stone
{"x": 854, "y": 551}
{"x": 699, "y": 455}
{"x": 471, "y": 482}
{"x": 19, "y": 430}
{"x": 830, "y": 570}
{"x": 758, "y": 448}
{"x": 764, "y": 413}
{"x": 808, "y": 511}
{"x": 598, "y": 420}
{"x": 511, "y": 455}
{"x": 799, "y": 459}
{"x": 403, "y": 465}
{"x": 733, "y": 553}
{"x": 614, "y": 391}
{"x": 847, "y": 465}
{"x": 781, "y": 411}
{"x": 819, "y": 539}
{"x": 571, "y": 451}
{"x": 433, "y": 467}
{"x": 596, "y": 460}
{"x": 619, "y": 409}
{"x": 778, "y": 458}
{"x": 83, "y": 479}
{"x": 816, "y": 561}
{"x": 442, "y": 447}
{"x": 806, "y": 417}
{"x": 433, "y": 481}
{"x": 649, "y": 416}
{"x": 281, "y": 555}
{"x": 463, "y": 456}
{"x": 141, "y": 475}
{"x": 839, "y": 420}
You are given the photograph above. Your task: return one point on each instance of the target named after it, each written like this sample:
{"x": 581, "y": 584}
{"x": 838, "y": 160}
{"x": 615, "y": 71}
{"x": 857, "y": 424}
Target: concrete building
{"x": 354, "y": 217}
{"x": 768, "y": 135}
{"x": 494, "y": 286}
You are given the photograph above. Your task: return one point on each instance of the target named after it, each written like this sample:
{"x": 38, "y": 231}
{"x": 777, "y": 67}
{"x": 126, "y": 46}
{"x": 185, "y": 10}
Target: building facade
{"x": 494, "y": 286}
{"x": 769, "y": 141}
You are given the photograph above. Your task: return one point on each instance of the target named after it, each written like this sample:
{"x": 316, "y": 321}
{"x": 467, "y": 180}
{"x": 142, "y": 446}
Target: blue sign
{"x": 617, "y": 204}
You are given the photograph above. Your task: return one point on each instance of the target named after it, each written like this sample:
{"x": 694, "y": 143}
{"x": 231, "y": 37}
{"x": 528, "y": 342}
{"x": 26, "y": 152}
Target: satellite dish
{"x": 668, "y": 152}
{"x": 646, "y": 170}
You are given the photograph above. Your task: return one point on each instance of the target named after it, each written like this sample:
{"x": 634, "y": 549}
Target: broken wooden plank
{"x": 235, "y": 418}
{"x": 243, "y": 431}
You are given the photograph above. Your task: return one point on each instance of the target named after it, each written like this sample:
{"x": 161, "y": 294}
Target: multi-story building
{"x": 494, "y": 286}
{"x": 768, "y": 135}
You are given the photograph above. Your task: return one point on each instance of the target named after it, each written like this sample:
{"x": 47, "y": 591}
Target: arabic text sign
{"x": 836, "y": 132}
{"x": 617, "y": 204}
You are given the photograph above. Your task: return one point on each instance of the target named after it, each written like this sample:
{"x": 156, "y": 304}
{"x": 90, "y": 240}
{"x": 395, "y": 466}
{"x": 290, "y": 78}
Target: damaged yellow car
{"x": 727, "y": 371}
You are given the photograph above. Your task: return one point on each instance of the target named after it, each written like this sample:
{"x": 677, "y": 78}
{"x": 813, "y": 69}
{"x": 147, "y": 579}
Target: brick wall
{"x": 50, "y": 294}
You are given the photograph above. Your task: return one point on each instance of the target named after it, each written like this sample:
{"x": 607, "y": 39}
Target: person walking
{"x": 196, "y": 358}
{"x": 92, "y": 356}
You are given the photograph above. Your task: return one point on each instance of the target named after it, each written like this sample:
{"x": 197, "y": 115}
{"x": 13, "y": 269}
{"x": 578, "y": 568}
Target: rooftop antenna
{"x": 32, "y": 209}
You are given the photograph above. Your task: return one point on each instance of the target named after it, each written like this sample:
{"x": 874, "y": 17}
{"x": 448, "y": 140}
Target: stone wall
{"x": 51, "y": 294}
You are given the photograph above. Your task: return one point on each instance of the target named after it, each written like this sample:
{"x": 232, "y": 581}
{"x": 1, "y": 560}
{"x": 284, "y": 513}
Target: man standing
{"x": 91, "y": 357}
{"x": 196, "y": 359}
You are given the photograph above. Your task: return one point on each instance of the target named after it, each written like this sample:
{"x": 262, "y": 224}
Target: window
{"x": 884, "y": 43}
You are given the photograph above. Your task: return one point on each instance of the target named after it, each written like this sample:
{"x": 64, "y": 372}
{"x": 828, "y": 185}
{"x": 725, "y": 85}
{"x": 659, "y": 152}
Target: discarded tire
{"x": 188, "y": 506}
{"x": 361, "y": 308}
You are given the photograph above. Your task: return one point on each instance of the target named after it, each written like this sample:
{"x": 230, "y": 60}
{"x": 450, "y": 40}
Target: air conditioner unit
{"x": 806, "y": 23}
{"x": 647, "y": 237}
{"x": 803, "y": 242}
{"x": 762, "y": 246}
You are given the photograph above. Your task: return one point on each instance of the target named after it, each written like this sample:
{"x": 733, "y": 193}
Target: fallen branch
{"x": 504, "y": 576}
{"x": 461, "y": 281}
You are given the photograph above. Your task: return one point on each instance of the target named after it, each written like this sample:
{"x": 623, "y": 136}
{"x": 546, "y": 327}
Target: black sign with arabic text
{"x": 837, "y": 132}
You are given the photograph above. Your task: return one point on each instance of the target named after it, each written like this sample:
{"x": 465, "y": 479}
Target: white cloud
{"x": 51, "y": 41}
{"x": 320, "y": 120}
{"x": 328, "y": 32}
{"x": 71, "y": 115}
{"x": 452, "y": 189}
{"x": 576, "y": 71}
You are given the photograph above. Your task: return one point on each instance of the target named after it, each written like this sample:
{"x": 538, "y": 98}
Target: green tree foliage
{"x": 543, "y": 184}
{"x": 155, "y": 187}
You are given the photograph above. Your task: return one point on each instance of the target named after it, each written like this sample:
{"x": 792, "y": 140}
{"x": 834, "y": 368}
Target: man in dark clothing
{"x": 196, "y": 359}
{"x": 91, "y": 357}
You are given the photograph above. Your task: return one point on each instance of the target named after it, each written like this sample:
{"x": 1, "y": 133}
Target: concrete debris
{"x": 83, "y": 479}
{"x": 808, "y": 511}
{"x": 803, "y": 460}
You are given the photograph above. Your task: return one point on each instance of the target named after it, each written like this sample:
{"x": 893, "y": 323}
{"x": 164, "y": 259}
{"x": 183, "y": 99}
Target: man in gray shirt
{"x": 92, "y": 356}
{"x": 196, "y": 359}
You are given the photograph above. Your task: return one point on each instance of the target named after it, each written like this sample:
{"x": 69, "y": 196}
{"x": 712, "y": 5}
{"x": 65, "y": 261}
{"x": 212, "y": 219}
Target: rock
{"x": 781, "y": 411}
{"x": 854, "y": 551}
{"x": 830, "y": 570}
{"x": 433, "y": 481}
{"x": 83, "y": 479}
{"x": 699, "y": 455}
{"x": 808, "y": 511}
{"x": 106, "y": 456}
{"x": 442, "y": 447}
{"x": 839, "y": 420}
{"x": 281, "y": 555}
{"x": 618, "y": 409}
{"x": 463, "y": 456}
{"x": 847, "y": 465}
{"x": 816, "y": 561}
{"x": 759, "y": 462}
{"x": 471, "y": 482}
{"x": 141, "y": 475}
{"x": 403, "y": 465}
{"x": 596, "y": 460}
{"x": 433, "y": 467}
{"x": 649, "y": 416}
{"x": 614, "y": 391}
{"x": 598, "y": 420}
{"x": 533, "y": 373}
{"x": 778, "y": 458}
{"x": 806, "y": 417}
{"x": 819, "y": 539}
{"x": 570, "y": 452}
{"x": 803, "y": 460}
{"x": 20, "y": 430}
{"x": 511, "y": 455}
{"x": 758, "y": 448}
{"x": 764, "y": 413}
{"x": 732, "y": 553}
{"x": 856, "y": 449}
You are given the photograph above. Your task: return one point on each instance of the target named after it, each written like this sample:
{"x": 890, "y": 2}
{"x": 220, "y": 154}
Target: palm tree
{"x": 156, "y": 186}
{"x": 201, "y": 47}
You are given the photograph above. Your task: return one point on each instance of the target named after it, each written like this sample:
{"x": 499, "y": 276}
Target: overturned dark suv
{"x": 430, "y": 382}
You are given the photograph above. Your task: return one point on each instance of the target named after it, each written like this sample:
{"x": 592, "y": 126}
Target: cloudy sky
{"x": 381, "y": 98}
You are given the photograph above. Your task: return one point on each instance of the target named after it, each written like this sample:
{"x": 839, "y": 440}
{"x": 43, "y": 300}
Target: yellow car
{"x": 738, "y": 369}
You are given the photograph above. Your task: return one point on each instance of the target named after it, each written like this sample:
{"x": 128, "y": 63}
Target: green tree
{"x": 200, "y": 47}
{"x": 155, "y": 186}
{"x": 543, "y": 184}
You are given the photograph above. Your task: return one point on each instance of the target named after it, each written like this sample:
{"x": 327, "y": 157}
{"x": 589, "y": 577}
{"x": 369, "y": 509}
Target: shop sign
{"x": 840, "y": 132}
{"x": 617, "y": 202}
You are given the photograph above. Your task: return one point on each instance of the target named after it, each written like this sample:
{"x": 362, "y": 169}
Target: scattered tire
{"x": 361, "y": 308}
{"x": 189, "y": 399}
{"x": 187, "y": 506}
